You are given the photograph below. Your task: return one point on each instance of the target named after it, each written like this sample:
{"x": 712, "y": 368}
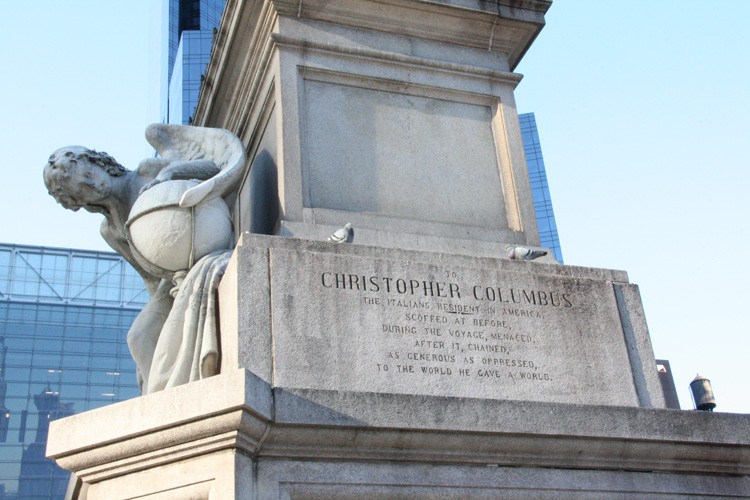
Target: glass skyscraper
{"x": 64, "y": 317}
{"x": 545, "y": 216}
{"x": 189, "y": 37}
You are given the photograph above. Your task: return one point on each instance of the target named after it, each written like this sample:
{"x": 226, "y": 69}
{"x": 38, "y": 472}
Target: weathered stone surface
{"x": 366, "y": 320}
{"x": 358, "y": 161}
{"x": 398, "y": 117}
{"x": 233, "y": 436}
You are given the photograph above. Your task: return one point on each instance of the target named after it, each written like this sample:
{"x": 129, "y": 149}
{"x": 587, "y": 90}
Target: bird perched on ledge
{"x": 343, "y": 235}
{"x": 523, "y": 253}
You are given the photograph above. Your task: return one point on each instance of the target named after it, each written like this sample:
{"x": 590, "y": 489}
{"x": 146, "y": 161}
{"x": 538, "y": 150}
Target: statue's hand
{"x": 164, "y": 175}
{"x": 200, "y": 170}
{"x": 150, "y": 185}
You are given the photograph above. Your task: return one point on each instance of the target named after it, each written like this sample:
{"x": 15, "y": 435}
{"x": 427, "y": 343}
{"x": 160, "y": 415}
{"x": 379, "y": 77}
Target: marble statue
{"x": 170, "y": 219}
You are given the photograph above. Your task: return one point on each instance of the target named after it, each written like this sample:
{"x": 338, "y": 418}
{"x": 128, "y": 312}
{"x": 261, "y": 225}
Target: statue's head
{"x": 78, "y": 177}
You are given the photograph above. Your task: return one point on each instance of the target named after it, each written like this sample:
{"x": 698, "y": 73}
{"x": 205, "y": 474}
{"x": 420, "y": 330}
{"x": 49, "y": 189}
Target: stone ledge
{"x": 434, "y": 413}
{"x": 497, "y": 262}
{"x": 491, "y": 432}
{"x": 149, "y": 422}
{"x": 191, "y": 420}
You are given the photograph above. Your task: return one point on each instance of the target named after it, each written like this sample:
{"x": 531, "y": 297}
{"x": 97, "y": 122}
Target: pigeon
{"x": 343, "y": 235}
{"x": 523, "y": 253}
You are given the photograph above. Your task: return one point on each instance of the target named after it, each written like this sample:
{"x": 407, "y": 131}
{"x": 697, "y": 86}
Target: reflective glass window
{"x": 61, "y": 352}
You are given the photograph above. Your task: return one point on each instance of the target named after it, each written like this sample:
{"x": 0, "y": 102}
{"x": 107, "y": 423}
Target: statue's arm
{"x": 184, "y": 169}
{"x": 150, "y": 167}
{"x": 190, "y": 169}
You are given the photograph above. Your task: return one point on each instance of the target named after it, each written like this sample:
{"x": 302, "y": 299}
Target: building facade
{"x": 188, "y": 37}
{"x": 545, "y": 215}
{"x": 64, "y": 317}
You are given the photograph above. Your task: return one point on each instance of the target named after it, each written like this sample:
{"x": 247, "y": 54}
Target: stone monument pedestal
{"x": 548, "y": 390}
{"x": 378, "y": 369}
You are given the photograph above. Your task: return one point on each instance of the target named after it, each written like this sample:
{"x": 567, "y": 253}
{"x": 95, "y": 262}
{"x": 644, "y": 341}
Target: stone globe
{"x": 167, "y": 239}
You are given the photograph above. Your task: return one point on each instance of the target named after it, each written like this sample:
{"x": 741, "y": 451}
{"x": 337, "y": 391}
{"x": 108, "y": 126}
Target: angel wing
{"x": 183, "y": 142}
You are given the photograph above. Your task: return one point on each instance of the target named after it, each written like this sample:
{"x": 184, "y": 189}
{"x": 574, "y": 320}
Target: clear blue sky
{"x": 642, "y": 108}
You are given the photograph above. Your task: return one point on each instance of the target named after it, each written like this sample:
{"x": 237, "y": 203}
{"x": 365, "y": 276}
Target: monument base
{"x": 351, "y": 371}
{"x": 233, "y": 436}
{"x": 303, "y": 314}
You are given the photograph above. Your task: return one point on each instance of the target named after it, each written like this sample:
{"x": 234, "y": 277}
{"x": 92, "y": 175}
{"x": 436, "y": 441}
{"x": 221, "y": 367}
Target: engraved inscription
{"x": 420, "y": 324}
{"x": 449, "y": 329}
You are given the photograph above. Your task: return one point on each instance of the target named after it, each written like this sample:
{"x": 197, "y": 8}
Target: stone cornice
{"x": 400, "y": 59}
{"x": 239, "y": 411}
{"x": 243, "y": 44}
{"x": 238, "y": 57}
{"x": 449, "y": 22}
